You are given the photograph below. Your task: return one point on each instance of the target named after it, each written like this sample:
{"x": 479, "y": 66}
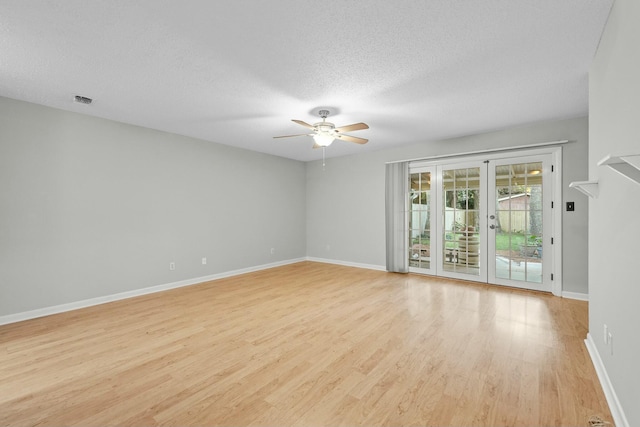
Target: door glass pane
{"x": 461, "y": 231}
{"x": 419, "y": 220}
{"x": 518, "y": 222}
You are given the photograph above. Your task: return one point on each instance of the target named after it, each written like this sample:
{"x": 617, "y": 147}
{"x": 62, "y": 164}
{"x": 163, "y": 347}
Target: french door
{"x": 483, "y": 220}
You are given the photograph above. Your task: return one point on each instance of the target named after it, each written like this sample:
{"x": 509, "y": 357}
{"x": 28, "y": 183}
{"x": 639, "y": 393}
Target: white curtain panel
{"x": 397, "y": 181}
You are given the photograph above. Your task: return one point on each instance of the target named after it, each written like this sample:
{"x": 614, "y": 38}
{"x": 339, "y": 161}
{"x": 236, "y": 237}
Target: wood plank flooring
{"x": 307, "y": 344}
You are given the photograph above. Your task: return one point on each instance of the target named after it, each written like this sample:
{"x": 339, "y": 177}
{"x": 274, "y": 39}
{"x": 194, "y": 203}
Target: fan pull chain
{"x": 323, "y": 148}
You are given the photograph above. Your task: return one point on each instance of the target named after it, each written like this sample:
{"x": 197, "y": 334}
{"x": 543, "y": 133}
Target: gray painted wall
{"x": 614, "y": 231}
{"x": 91, "y": 207}
{"x": 345, "y": 200}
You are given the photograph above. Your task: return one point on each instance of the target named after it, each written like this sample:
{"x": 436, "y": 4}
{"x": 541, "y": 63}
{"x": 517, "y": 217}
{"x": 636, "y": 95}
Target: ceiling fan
{"x": 324, "y": 132}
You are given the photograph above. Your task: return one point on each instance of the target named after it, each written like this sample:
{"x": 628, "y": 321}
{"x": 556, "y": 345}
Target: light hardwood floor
{"x": 307, "y": 344}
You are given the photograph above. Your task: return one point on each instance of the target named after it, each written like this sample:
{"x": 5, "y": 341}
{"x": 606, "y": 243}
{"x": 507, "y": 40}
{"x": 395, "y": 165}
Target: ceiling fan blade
{"x": 350, "y": 128}
{"x": 352, "y": 139}
{"x": 301, "y": 123}
{"x": 316, "y": 145}
{"x": 289, "y": 136}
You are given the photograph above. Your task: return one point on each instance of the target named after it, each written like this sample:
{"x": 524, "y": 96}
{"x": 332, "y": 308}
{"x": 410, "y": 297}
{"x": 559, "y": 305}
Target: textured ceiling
{"x": 237, "y": 71}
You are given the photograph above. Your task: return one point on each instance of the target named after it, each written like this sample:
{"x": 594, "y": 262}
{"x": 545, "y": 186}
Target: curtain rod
{"x": 491, "y": 150}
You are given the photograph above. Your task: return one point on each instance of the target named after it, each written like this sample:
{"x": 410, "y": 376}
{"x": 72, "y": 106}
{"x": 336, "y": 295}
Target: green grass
{"x": 502, "y": 241}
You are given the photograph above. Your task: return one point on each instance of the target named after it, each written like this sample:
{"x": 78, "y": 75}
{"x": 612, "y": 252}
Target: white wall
{"x": 91, "y": 207}
{"x": 614, "y": 225}
{"x": 345, "y": 200}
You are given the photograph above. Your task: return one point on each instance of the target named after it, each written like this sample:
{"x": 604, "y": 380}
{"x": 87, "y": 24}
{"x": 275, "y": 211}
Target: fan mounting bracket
{"x": 324, "y": 114}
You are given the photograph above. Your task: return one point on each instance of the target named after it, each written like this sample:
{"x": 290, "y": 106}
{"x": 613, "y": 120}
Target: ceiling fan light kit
{"x": 323, "y": 139}
{"x": 324, "y": 132}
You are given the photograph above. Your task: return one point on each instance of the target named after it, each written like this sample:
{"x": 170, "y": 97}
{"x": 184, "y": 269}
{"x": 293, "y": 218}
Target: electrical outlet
{"x": 606, "y": 334}
{"x": 204, "y": 260}
{"x": 273, "y": 251}
{"x": 328, "y": 248}
{"x": 172, "y": 266}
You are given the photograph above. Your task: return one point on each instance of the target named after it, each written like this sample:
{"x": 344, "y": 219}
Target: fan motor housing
{"x": 324, "y": 127}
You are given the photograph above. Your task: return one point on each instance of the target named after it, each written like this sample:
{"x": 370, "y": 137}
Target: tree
{"x": 535, "y": 210}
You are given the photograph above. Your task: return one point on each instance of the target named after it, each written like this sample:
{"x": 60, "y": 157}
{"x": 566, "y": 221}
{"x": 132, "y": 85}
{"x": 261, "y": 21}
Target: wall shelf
{"x": 590, "y": 188}
{"x": 629, "y": 165}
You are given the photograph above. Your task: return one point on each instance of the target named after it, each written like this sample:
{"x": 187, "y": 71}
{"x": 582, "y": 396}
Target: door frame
{"x": 555, "y": 229}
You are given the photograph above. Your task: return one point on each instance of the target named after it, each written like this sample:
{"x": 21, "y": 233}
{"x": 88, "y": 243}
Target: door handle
{"x": 492, "y": 226}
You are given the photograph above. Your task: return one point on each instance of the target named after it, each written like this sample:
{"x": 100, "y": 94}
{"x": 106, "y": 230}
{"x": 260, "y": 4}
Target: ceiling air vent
{"x": 83, "y": 99}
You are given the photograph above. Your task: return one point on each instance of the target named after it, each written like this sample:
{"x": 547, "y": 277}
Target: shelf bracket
{"x": 628, "y": 166}
{"x": 590, "y": 188}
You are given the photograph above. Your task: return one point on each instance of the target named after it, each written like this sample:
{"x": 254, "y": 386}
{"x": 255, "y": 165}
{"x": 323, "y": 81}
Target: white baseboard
{"x": 575, "y": 295}
{"x": 348, "y": 263}
{"x": 46, "y": 311}
{"x": 619, "y": 419}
